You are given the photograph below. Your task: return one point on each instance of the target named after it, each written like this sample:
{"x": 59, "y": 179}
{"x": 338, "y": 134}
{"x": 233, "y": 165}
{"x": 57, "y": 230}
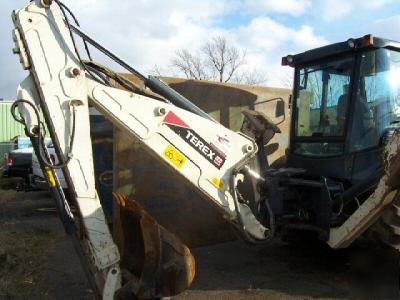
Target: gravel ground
{"x": 37, "y": 261}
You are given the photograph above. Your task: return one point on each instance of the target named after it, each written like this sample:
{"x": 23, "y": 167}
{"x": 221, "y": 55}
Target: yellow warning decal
{"x": 217, "y": 182}
{"x": 174, "y": 156}
{"x": 50, "y": 177}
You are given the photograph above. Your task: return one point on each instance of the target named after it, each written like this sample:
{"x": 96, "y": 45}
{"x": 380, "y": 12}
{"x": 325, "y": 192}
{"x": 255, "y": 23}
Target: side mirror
{"x": 280, "y": 113}
{"x": 274, "y": 108}
{"x": 280, "y": 108}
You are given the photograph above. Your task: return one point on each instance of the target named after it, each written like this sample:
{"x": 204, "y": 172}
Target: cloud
{"x": 148, "y": 32}
{"x": 11, "y": 73}
{"x": 267, "y": 41}
{"x": 291, "y": 7}
{"x": 262, "y": 33}
{"x": 305, "y": 38}
{"x": 331, "y": 10}
{"x": 372, "y": 4}
{"x": 386, "y": 28}
{"x": 266, "y": 35}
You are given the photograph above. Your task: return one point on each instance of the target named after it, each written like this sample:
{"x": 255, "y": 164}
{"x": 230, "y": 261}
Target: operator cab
{"x": 346, "y": 102}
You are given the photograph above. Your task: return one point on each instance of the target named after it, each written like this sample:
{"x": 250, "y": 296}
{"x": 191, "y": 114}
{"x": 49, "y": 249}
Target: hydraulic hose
{"x": 39, "y": 136}
{"x": 55, "y": 189}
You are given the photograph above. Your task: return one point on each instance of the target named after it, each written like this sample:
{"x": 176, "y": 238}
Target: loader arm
{"x": 208, "y": 155}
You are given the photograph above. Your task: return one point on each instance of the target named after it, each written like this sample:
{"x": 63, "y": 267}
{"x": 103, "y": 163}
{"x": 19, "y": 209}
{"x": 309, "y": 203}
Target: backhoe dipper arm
{"x": 209, "y": 156}
{"x": 45, "y": 49}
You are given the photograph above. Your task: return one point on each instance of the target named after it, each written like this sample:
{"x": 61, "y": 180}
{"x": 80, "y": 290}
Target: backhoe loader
{"x": 343, "y": 161}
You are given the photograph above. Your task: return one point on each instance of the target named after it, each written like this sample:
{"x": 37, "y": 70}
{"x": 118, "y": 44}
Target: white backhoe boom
{"x": 208, "y": 155}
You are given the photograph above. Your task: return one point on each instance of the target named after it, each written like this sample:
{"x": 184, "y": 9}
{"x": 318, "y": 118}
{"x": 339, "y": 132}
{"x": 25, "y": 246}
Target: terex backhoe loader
{"x": 343, "y": 166}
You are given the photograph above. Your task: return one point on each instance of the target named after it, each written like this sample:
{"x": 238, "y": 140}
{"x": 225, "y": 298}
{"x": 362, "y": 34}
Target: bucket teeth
{"x": 154, "y": 262}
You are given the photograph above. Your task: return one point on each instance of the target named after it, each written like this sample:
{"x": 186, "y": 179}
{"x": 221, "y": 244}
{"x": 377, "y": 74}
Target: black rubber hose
{"x": 39, "y": 135}
{"x": 56, "y": 191}
{"x": 63, "y": 9}
{"x": 58, "y": 195}
{"x": 77, "y": 24}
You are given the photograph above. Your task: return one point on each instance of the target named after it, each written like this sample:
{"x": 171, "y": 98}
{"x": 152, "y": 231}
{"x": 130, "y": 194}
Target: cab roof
{"x": 351, "y": 45}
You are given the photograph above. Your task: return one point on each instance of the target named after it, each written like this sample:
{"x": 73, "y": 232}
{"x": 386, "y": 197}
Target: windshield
{"x": 322, "y": 100}
{"x": 322, "y": 104}
{"x": 377, "y": 105}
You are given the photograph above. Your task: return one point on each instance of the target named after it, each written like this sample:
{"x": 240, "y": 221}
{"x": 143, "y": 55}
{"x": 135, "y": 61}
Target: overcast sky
{"x": 148, "y": 32}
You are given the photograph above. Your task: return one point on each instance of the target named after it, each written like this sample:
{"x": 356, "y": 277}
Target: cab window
{"x": 322, "y": 101}
{"x": 377, "y": 104}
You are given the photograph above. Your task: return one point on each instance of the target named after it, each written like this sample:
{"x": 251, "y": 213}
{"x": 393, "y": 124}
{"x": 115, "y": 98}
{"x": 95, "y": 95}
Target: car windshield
{"x": 322, "y": 98}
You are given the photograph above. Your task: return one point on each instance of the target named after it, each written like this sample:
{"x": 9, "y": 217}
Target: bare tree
{"x": 216, "y": 60}
{"x": 224, "y": 58}
{"x": 192, "y": 66}
{"x": 251, "y": 77}
{"x": 156, "y": 70}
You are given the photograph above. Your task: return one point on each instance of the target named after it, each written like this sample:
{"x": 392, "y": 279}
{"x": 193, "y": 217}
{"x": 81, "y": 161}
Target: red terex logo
{"x": 173, "y": 119}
